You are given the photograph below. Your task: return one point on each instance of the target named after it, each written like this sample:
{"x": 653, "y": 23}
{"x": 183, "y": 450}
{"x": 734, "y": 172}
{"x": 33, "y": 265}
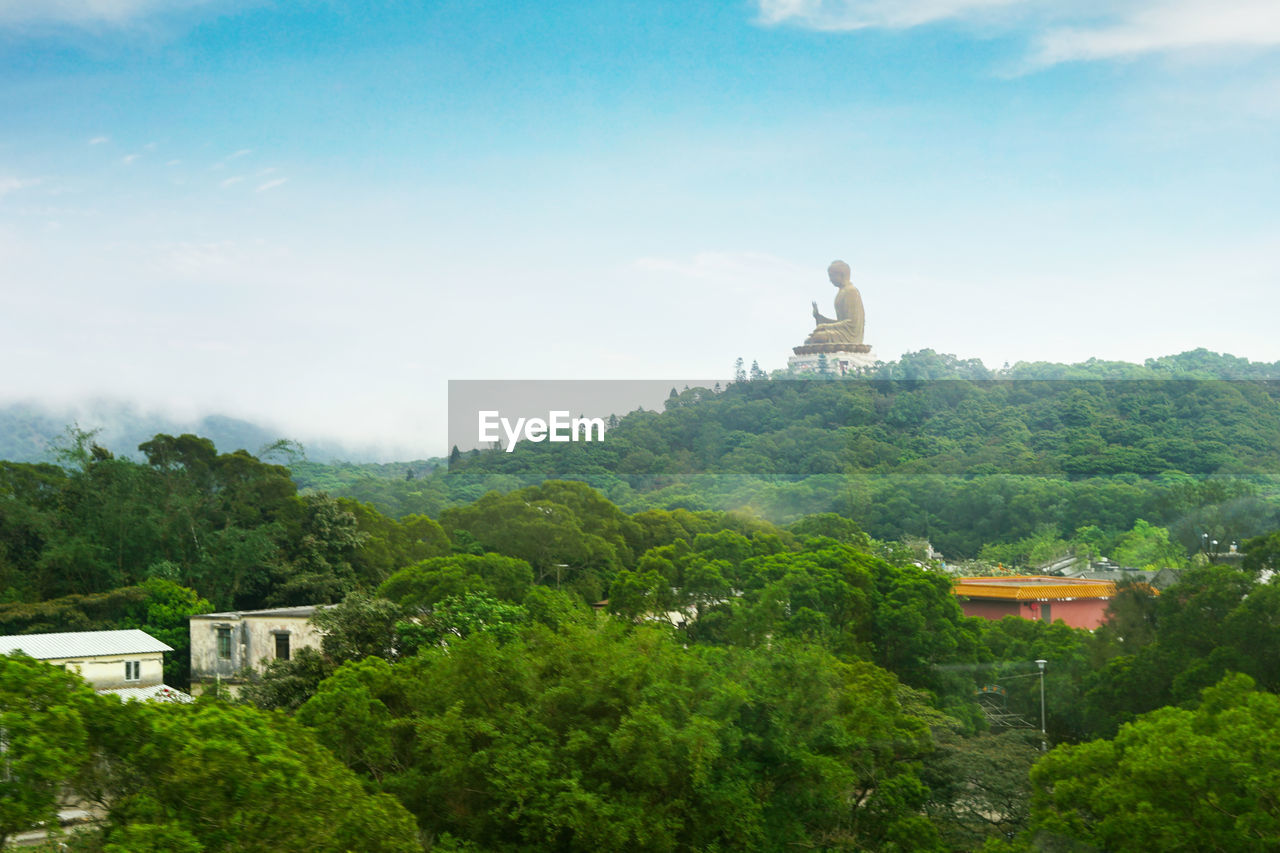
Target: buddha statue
{"x": 846, "y": 328}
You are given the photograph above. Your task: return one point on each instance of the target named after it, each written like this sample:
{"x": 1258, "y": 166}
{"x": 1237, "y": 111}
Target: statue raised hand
{"x": 848, "y": 326}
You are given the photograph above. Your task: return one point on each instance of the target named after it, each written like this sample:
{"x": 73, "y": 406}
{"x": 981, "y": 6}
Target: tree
{"x": 421, "y": 585}
{"x": 362, "y": 626}
{"x": 43, "y": 740}
{"x": 327, "y": 541}
{"x": 587, "y": 738}
{"x": 236, "y": 778}
{"x": 1148, "y": 546}
{"x": 640, "y": 594}
{"x": 979, "y": 786}
{"x": 1262, "y": 552}
{"x": 1175, "y": 779}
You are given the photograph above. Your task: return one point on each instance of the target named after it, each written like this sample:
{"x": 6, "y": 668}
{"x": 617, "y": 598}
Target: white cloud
{"x": 270, "y": 185}
{"x": 1057, "y": 30}
{"x": 98, "y": 140}
{"x": 1158, "y": 27}
{"x": 88, "y": 13}
{"x": 128, "y": 158}
{"x": 231, "y": 181}
{"x": 8, "y": 185}
{"x": 843, "y": 15}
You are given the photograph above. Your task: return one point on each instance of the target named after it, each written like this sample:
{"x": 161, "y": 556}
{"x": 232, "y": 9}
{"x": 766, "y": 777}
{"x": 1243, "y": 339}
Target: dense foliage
{"x": 545, "y": 664}
{"x": 925, "y": 447}
{"x": 202, "y": 777}
{"x": 227, "y": 525}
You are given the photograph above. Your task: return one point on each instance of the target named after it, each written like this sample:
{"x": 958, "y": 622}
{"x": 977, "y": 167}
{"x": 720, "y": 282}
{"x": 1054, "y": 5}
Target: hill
{"x": 29, "y": 431}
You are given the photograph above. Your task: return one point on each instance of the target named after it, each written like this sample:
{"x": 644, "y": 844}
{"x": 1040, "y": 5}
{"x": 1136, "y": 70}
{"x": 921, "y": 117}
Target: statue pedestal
{"x": 841, "y": 359}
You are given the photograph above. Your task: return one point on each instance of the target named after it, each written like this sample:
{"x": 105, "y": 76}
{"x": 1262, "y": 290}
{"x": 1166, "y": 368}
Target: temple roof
{"x": 1033, "y": 588}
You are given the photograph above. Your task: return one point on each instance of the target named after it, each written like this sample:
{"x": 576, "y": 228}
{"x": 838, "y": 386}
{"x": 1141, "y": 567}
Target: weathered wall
{"x": 253, "y": 643}
{"x": 107, "y": 672}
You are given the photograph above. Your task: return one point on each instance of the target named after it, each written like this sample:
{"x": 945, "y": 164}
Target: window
{"x": 224, "y": 644}
{"x": 282, "y": 646}
{"x": 133, "y": 670}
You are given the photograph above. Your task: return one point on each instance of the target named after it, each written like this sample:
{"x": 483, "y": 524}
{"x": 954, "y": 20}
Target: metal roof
{"x": 304, "y": 610}
{"x": 83, "y": 644}
{"x": 154, "y": 693}
{"x": 1033, "y": 588}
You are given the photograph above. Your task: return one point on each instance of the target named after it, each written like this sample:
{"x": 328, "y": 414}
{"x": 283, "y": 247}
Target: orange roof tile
{"x": 1033, "y": 588}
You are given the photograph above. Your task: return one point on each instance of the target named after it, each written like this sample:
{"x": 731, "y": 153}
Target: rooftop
{"x": 83, "y": 644}
{"x": 154, "y": 693}
{"x": 1033, "y": 588}
{"x": 305, "y": 611}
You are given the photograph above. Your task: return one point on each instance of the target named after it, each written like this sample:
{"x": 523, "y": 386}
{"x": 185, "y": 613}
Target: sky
{"x": 315, "y": 213}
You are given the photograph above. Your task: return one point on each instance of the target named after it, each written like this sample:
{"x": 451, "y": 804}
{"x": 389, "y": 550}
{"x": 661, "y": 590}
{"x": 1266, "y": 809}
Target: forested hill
{"x": 1059, "y": 428}
{"x": 927, "y": 446}
{"x": 31, "y": 432}
{"x": 820, "y": 693}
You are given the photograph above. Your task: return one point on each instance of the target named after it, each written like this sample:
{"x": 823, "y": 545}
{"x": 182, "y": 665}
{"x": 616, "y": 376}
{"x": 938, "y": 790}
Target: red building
{"x": 1079, "y": 602}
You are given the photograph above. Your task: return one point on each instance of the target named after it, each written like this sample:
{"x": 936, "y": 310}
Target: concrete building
{"x": 232, "y": 647}
{"x": 128, "y": 663}
{"x": 1080, "y": 602}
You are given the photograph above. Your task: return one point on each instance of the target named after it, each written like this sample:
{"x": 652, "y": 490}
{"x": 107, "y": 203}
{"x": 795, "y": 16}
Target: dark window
{"x": 224, "y": 643}
{"x": 282, "y": 646}
{"x": 133, "y": 670}
{"x": 1045, "y": 612}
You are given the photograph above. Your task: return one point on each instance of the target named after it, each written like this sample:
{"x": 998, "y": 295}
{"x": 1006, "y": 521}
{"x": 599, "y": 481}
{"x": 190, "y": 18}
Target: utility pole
{"x": 1044, "y": 741}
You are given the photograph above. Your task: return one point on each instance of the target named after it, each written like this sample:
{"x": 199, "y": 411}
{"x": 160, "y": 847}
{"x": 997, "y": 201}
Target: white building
{"x": 232, "y": 647}
{"x": 128, "y": 663}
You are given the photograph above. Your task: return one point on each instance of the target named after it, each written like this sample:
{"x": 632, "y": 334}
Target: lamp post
{"x": 1044, "y": 742}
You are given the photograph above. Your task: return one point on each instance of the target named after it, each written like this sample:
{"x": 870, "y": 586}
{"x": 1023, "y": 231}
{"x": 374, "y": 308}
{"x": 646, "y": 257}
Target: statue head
{"x": 838, "y": 272}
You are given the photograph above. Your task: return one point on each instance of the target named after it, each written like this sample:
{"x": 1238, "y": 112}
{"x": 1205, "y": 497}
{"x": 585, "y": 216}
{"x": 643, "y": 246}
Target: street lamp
{"x": 1044, "y": 742}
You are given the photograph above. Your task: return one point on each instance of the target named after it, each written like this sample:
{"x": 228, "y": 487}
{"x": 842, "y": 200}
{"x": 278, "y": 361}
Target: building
{"x": 1080, "y": 602}
{"x": 235, "y": 646}
{"x": 1158, "y": 579}
{"x": 127, "y": 663}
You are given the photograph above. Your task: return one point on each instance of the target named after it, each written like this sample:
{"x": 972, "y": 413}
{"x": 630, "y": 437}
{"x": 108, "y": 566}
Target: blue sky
{"x": 316, "y": 213}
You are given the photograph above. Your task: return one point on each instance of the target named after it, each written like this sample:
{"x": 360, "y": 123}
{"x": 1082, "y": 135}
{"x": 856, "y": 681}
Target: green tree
{"x": 1175, "y": 779}
{"x": 235, "y": 778}
{"x": 422, "y": 584}
{"x": 43, "y": 740}
{"x": 587, "y": 738}
{"x": 363, "y": 625}
{"x": 979, "y": 786}
{"x": 1148, "y": 546}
